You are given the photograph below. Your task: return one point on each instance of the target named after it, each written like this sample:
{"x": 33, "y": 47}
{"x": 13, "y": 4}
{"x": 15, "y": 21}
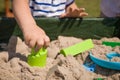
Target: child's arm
{"x": 33, "y": 35}
{"x": 73, "y": 11}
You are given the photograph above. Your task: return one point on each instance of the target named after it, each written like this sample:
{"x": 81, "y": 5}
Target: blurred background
{"x": 92, "y": 7}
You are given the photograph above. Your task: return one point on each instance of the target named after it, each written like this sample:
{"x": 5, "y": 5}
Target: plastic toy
{"x": 37, "y": 58}
{"x": 107, "y": 63}
{"x": 112, "y": 44}
{"x": 78, "y": 48}
{"x": 89, "y": 66}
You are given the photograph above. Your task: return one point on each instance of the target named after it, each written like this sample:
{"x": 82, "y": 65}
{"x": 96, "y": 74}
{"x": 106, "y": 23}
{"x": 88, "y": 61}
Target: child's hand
{"x": 35, "y": 37}
{"x": 77, "y": 12}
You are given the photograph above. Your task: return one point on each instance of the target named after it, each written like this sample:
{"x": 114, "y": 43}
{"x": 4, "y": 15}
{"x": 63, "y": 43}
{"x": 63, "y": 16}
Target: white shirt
{"x": 49, "y": 8}
{"x": 110, "y": 8}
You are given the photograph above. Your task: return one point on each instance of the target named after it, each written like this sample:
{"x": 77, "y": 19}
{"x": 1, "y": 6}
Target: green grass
{"x": 2, "y": 12}
{"x": 91, "y": 6}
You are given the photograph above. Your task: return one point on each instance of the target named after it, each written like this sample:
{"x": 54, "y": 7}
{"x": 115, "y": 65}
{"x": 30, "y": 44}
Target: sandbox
{"x": 14, "y": 66}
{"x": 63, "y": 33}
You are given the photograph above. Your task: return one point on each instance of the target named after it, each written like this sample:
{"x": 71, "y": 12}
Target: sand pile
{"x": 13, "y": 62}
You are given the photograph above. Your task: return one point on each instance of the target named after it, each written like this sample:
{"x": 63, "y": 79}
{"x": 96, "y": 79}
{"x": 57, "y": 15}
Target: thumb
{"x": 63, "y": 15}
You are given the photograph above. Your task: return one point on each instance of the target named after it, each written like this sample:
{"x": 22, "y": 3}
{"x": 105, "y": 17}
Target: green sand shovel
{"x": 112, "y": 44}
{"x": 78, "y": 48}
{"x": 37, "y": 58}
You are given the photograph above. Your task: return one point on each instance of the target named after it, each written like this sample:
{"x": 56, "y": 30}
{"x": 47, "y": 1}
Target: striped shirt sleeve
{"x": 69, "y": 2}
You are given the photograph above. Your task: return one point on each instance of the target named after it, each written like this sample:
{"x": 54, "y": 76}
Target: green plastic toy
{"x": 99, "y": 79}
{"x": 78, "y": 48}
{"x": 37, "y": 58}
{"x": 112, "y": 44}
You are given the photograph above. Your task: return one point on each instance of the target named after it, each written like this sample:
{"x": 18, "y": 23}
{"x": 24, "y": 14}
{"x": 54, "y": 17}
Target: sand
{"x": 13, "y": 61}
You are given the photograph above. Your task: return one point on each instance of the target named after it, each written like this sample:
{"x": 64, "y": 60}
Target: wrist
{"x": 27, "y": 23}
{"x": 29, "y": 26}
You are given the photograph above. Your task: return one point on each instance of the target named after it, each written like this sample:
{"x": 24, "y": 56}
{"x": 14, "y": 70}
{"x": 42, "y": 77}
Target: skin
{"x": 8, "y": 13}
{"x": 73, "y": 11}
{"x": 34, "y": 36}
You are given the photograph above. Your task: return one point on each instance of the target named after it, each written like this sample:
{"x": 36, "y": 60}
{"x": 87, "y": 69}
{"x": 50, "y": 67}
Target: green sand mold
{"x": 112, "y": 44}
{"x": 78, "y": 48}
{"x": 37, "y": 58}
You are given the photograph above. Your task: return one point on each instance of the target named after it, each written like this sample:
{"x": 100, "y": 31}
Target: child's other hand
{"x": 35, "y": 37}
{"x": 76, "y": 12}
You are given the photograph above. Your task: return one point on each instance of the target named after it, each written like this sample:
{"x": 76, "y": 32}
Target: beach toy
{"x": 112, "y": 54}
{"x": 99, "y": 79}
{"x": 89, "y": 66}
{"x": 112, "y": 44}
{"x": 37, "y": 58}
{"x": 107, "y": 63}
{"x": 78, "y": 48}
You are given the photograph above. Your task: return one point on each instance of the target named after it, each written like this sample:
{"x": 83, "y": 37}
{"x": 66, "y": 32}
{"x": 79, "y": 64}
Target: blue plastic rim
{"x": 105, "y": 63}
{"x": 90, "y": 67}
{"x": 112, "y": 54}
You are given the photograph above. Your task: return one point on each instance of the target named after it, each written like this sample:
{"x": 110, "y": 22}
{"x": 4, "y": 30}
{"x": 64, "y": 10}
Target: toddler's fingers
{"x": 81, "y": 10}
{"x": 63, "y": 15}
{"x": 39, "y": 44}
{"x": 32, "y": 43}
{"x": 27, "y": 41}
{"x": 47, "y": 41}
{"x": 83, "y": 14}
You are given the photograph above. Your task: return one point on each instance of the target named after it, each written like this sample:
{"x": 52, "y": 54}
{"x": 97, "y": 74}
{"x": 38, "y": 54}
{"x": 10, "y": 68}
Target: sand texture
{"x": 13, "y": 61}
